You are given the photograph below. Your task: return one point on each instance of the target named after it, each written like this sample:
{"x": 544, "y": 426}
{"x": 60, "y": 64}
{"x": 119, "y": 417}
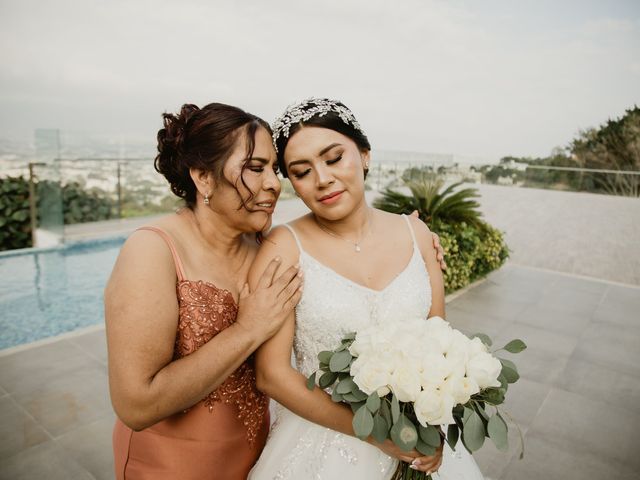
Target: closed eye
{"x": 302, "y": 174}
{"x": 335, "y": 160}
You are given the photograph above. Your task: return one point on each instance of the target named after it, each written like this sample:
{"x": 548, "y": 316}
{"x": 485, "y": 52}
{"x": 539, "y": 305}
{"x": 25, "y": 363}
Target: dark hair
{"x": 202, "y": 138}
{"x": 329, "y": 120}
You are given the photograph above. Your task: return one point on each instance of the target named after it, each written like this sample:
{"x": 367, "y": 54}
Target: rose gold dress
{"x": 221, "y": 436}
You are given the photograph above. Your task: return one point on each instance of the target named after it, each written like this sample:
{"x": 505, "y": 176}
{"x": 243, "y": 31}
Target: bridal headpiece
{"x": 302, "y": 111}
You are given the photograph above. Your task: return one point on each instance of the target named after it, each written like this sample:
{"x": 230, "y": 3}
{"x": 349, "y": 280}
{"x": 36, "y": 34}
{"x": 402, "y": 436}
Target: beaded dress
{"x": 332, "y": 306}
{"x": 219, "y": 437}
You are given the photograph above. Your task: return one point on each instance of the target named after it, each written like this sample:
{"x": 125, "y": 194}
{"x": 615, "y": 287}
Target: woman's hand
{"x": 422, "y": 463}
{"x": 436, "y": 245}
{"x": 266, "y": 308}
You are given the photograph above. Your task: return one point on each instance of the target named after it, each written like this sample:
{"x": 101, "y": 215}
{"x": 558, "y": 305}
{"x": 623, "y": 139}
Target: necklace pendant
{"x": 357, "y": 248}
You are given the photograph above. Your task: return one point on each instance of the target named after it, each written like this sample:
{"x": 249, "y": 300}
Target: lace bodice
{"x": 332, "y": 305}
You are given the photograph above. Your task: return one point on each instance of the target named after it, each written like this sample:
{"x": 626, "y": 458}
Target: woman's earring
{"x": 206, "y": 199}
{"x": 366, "y": 165}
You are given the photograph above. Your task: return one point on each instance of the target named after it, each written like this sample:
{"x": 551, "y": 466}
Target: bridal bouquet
{"x": 405, "y": 381}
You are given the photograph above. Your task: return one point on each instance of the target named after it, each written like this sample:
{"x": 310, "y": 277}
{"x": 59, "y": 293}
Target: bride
{"x": 361, "y": 266}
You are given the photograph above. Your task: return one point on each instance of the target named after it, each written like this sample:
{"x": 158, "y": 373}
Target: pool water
{"x": 49, "y": 292}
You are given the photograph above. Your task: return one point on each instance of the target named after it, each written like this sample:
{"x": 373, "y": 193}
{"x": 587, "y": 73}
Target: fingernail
{"x": 415, "y": 462}
{"x": 413, "y": 467}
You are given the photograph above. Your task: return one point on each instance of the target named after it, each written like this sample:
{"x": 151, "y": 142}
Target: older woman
{"x": 182, "y": 324}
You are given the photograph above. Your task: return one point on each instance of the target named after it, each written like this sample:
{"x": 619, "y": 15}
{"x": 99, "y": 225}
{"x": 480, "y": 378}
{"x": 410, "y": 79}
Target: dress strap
{"x": 295, "y": 236}
{"x": 413, "y": 236}
{"x": 174, "y": 253}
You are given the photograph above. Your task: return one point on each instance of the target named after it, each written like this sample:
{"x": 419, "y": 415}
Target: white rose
{"x": 440, "y": 331}
{"x": 405, "y": 382}
{"x": 460, "y": 345}
{"x": 484, "y": 368}
{"x": 434, "y": 407}
{"x": 476, "y": 346}
{"x": 371, "y": 376}
{"x": 434, "y": 370}
{"x": 460, "y": 388}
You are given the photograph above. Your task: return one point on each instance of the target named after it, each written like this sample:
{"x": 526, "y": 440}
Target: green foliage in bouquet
{"x": 15, "y": 227}
{"x": 472, "y": 247}
{"x": 385, "y": 417}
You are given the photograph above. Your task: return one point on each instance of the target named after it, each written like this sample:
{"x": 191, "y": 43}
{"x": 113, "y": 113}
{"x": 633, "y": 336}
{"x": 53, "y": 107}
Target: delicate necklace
{"x": 356, "y": 244}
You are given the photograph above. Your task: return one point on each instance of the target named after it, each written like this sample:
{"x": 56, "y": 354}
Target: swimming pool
{"x": 48, "y": 292}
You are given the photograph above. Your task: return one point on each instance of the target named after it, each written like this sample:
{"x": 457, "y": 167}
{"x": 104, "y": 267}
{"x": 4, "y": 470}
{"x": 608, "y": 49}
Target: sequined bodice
{"x": 205, "y": 311}
{"x": 333, "y": 305}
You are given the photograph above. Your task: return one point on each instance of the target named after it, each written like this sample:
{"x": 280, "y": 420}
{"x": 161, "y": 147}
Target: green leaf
{"x": 395, "y": 408}
{"x": 386, "y": 412}
{"x": 404, "y": 434}
{"x": 355, "y": 406}
{"x": 327, "y": 379}
{"x": 373, "y": 402}
{"x": 452, "y": 435}
{"x": 497, "y": 430}
{"x": 362, "y": 423}
{"x": 325, "y": 357}
{"x": 430, "y": 435}
{"x": 425, "y": 449}
{"x": 359, "y": 394}
{"x": 483, "y": 338}
{"x": 380, "y": 428}
{"x": 336, "y": 397}
{"x": 509, "y": 370}
{"x": 346, "y": 386}
{"x": 340, "y": 360}
{"x": 515, "y": 346}
{"x": 311, "y": 381}
{"x": 473, "y": 432}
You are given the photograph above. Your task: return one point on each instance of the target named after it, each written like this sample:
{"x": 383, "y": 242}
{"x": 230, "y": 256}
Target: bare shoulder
{"x": 278, "y": 243}
{"x": 421, "y": 230}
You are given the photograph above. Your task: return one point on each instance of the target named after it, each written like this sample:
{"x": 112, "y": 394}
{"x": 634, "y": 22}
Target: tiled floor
{"x": 578, "y": 402}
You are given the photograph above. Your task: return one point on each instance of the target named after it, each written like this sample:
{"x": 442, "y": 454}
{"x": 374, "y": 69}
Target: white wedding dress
{"x": 332, "y": 306}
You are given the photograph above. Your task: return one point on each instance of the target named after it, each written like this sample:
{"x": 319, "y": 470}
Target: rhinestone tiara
{"x": 303, "y": 111}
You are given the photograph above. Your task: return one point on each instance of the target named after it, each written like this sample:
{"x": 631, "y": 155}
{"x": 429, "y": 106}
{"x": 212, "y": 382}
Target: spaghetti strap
{"x": 413, "y": 236}
{"x": 295, "y": 236}
{"x": 174, "y": 253}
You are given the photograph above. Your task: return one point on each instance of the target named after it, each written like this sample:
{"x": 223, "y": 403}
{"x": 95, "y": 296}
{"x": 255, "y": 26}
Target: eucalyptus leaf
{"x": 497, "y": 430}
{"x": 373, "y": 402}
{"x": 325, "y": 357}
{"x": 340, "y": 360}
{"x": 508, "y": 363}
{"x": 395, "y": 409}
{"x": 336, "y": 397}
{"x": 385, "y": 411}
{"x": 359, "y": 394}
{"x": 425, "y": 449}
{"x": 515, "y": 346}
{"x": 404, "y": 434}
{"x": 380, "y": 428}
{"x": 452, "y": 435}
{"x": 355, "y": 406}
{"x": 483, "y": 338}
{"x": 311, "y": 381}
{"x": 351, "y": 398}
{"x": 327, "y": 379}
{"x": 430, "y": 435}
{"x": 346, "y": 386}
{"x": 362, "y": 423}
{"x": 510, "y": 375}
{"x": 473, "y": 432}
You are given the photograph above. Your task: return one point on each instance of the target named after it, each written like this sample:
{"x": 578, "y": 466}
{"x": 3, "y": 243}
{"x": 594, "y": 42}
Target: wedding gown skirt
{"x": 298, "y": 449}
{"x": 332, "y": 306}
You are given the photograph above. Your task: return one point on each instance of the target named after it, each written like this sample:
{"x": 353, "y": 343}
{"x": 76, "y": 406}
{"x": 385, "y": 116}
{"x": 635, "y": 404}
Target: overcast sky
{"x": 482, "y": 78}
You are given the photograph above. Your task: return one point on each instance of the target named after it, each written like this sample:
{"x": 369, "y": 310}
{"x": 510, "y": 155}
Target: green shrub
{"x": 15, "y": 227}
{"x": 79, "y": 206}
{"x": 472, "y": 247}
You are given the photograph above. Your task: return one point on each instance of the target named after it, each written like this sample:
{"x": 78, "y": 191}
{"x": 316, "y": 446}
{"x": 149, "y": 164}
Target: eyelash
{"x": 329, "y": 162}
{"x": 276, "y": 170}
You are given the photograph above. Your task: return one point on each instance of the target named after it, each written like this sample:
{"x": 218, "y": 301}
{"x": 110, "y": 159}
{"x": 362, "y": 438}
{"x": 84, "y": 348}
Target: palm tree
{"x": 434, "y": 205}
